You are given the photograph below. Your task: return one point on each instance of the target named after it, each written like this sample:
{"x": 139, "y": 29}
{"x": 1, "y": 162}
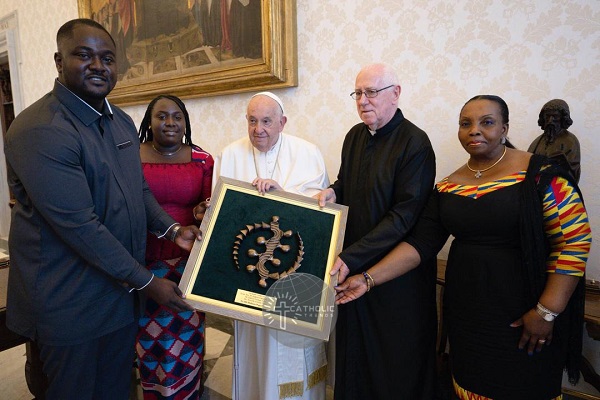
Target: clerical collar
{"x": 390, "y": 126}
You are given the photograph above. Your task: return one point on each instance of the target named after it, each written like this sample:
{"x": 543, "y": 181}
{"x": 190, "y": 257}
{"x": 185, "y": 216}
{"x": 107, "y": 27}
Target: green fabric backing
{"x": 219, "y": 279}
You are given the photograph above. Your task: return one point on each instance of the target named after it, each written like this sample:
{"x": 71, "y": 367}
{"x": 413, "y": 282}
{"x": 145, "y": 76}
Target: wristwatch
{"x": 546, "y": 314}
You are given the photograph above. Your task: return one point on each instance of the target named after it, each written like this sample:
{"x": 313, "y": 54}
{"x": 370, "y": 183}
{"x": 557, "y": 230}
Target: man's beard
{"x": 550, "y": 132}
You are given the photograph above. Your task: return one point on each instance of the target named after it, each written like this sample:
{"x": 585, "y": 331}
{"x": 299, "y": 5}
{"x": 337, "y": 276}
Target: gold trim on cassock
{"x": 317, "y": 376}
{"x": 291, "y": 389}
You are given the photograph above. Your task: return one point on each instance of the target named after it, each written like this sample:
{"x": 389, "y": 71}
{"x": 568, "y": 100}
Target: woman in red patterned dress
{"x": 169, "y": 345}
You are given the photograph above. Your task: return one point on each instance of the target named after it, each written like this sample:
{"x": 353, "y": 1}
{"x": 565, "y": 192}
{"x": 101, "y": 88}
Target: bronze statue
{"x": 556, "y": 141}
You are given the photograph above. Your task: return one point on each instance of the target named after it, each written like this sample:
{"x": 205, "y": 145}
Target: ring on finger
{"x": 542, "y": 341}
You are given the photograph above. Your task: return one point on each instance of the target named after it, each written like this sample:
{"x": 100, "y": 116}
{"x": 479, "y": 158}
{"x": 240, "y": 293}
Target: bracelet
{"x": 174, "y": 231}
{"x": 152, "y": 277}
{"x": 543, "y": 309}
{"x": 366, "y": 275}
{"x": 369, "y": 280}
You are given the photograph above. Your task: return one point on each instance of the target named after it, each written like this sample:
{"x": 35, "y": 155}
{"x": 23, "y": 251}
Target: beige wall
{"x": 445, "y": 52}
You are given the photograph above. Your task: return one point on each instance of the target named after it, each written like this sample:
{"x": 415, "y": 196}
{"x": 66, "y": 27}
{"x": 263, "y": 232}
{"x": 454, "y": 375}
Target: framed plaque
{"x": 266, "y": 259}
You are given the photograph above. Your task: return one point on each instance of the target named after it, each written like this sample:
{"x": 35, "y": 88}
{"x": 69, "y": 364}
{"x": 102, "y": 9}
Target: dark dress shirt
{"x": 78, "y": 231}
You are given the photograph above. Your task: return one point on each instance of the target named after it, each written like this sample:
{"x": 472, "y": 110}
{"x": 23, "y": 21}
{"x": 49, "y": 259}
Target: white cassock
{"x": 266, "y": 368}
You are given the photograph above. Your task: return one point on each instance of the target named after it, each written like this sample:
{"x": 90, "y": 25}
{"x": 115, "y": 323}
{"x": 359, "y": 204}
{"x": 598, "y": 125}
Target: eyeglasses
{"x": 370, "y": 93}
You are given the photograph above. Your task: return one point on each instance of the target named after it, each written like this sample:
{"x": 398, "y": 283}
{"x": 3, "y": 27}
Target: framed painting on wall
{"x": 266, "y": 259}
{"x": 198, "y": 48}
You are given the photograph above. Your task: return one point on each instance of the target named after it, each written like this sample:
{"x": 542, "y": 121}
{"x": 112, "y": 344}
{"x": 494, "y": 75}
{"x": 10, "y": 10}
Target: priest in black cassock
{"x": 385, "y": 340}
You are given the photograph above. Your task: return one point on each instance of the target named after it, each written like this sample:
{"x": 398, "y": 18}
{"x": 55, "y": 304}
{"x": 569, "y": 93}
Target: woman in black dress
{"x": 513, "y": 301}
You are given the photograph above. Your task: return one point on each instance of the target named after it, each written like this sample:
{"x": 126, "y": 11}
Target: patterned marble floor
{"x": 218, "y": 360}
{"x": 217, "y": 371}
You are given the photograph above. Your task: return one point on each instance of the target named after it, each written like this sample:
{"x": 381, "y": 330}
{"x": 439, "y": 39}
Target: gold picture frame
{"x": 185, "y": 59}
{"x": 217, "y": 277}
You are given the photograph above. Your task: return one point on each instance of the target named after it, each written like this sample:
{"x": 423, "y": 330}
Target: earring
{"x": 503, "y": 140}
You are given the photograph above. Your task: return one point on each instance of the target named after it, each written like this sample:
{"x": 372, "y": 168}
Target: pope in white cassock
{"x": 266, "y": 367}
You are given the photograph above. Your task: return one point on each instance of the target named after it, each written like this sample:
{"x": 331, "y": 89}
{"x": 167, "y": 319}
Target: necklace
{"x": 479, "y": 171}
{"x": 276, "y": 160}
{"x": 166, "y": 153}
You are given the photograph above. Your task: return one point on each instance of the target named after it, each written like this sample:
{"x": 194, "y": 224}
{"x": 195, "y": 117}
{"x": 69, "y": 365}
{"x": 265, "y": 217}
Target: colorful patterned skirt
{"x": 169, "y": 345}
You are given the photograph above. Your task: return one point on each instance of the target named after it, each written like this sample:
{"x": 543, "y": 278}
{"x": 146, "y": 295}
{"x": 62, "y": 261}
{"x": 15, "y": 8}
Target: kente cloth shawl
{"x": 536, "y": 253}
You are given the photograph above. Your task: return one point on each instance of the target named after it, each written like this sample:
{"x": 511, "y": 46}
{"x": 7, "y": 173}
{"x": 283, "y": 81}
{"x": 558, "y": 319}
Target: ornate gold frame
{"x": 212, "y": 283}
{"x": 278, "y": 67}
